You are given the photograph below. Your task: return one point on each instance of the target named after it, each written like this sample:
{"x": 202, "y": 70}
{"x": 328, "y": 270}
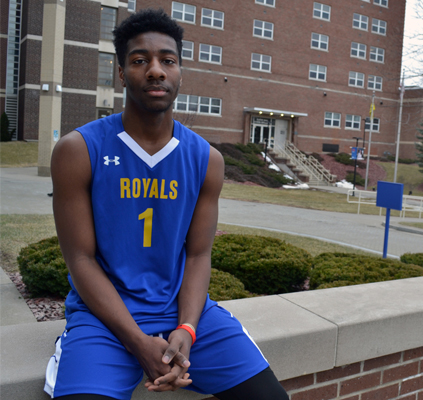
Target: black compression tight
{"x": 263, "y": 386}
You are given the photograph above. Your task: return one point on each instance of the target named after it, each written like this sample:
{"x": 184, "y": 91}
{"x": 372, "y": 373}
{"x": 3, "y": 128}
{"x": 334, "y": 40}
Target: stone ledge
{"x": 299, "y": 333}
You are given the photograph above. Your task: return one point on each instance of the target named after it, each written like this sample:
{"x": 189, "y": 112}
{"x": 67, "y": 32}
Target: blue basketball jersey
{"x": 142, "y": 207}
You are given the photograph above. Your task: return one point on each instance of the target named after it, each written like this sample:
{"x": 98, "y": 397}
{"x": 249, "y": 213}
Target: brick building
{"x": 300, "y": 71}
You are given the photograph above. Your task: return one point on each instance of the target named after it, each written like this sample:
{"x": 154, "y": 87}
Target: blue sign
{"x": 389, "y": 195}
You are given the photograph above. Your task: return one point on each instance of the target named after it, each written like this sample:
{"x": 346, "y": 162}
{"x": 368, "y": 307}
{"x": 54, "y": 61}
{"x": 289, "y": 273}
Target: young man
{"x": 135, "y": 204}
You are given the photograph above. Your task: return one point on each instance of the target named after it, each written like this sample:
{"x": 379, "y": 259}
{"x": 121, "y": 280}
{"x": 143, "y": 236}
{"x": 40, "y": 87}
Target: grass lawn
{"x": 18, "y": 154}
{"x": 413, "y": 224}
{"x": 313, "y": 246}
{"x": 408, "y": 174}
{"x": 17, "y": 231}
{"x": 311, "y": 199}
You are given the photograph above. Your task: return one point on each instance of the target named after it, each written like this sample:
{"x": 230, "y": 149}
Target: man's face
{"x": 152, "y": 74}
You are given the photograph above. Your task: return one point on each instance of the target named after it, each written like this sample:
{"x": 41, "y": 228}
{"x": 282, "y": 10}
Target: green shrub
{"x": 264, "y": 265}
{"x": 412, "y": 258}
{"x": 344, "y": 158}
{"x": 359, "y": 180}
{"x": 43, "y": 269}
{"x": 253, "y": 159}
{"x": 342, "y": 269}
{"x": 224, "y": 286}
{"x": 402, "y": 160}
{"x": 246, "y": 169}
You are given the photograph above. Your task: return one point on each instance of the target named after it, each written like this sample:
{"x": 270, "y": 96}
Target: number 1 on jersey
{"x": 147, "y": 216}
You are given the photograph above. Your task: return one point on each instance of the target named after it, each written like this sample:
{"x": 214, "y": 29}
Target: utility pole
{"x": 372, "y": 107}
{"x": 402, "y": 89}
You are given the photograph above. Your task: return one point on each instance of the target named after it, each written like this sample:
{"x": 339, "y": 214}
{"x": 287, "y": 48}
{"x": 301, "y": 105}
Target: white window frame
{"x": 319, "y": 11}
{"x": 213, "y": 18}
{"x": 360, "y": 49}
{"x": 375, "y": 125}
{"x": 259, "y": 58}
{"x": 381, "y": 3}
{"x": 106, "y": 68}
{"x": 211, "y": 52}
{"x": 379, "y": 26}
{"x": 353, "y": 122}
{"x": 107, "y": 22}
{"x": 377, "y": 54}
{"x": 187, "y": 46}
{"x": 375, "y": 82}
{"x": 361, "y": 20}
{"x": 354, "y": 79}
{"x": 132, "y": 5}
{"x": 198, "y": 104}
{"x": 184, "y": 12}
{"x": 320, "y": 40}
{"x": 262, "y": 27}
{"x": 318, "y": 70}
{"x": 333, "y": 118}
{"x": 268, "y": 3}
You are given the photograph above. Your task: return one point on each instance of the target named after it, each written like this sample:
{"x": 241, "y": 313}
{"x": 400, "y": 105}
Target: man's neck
{"x": 152, "y": 131}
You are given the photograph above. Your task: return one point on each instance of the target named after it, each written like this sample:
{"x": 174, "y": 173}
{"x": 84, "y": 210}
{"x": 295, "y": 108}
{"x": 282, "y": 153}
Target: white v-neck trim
{"x": 153, "y": 160}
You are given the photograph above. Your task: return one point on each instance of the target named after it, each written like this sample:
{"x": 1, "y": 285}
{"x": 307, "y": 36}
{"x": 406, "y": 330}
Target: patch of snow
{"x": 297, "y": 186}
{"x": 344, "y": 184}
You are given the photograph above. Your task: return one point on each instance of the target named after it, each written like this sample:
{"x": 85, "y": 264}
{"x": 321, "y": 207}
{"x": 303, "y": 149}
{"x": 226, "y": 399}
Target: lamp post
{"x": 355, "y": 162}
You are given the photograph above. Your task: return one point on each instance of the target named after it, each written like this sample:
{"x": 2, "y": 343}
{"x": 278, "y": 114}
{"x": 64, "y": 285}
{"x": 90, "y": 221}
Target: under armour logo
{"x": 107, "y": 160}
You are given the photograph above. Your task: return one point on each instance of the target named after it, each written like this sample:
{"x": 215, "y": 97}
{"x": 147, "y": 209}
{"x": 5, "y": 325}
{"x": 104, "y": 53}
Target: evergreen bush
{"x": 342, "y": 269}
{"x": 264, "y": 265}
{"x": 412, "y": 258}
{"x": 224, "y": 286}
{"x": 359, "y": 180}
{"x": 5, "y": 134}
{"x": 43, "y": 268}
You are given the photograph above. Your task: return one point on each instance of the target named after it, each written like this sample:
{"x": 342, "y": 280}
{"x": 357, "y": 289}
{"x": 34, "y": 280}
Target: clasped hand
{"x": 166, "y": 362}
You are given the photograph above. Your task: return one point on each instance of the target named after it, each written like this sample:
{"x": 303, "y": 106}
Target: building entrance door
{"x": 263, "y": 129}
{"x": 281, "y": 133}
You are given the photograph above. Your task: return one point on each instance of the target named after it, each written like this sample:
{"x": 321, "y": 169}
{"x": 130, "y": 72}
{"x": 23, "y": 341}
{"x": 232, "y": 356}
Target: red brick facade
{"x": 286, "y": 88}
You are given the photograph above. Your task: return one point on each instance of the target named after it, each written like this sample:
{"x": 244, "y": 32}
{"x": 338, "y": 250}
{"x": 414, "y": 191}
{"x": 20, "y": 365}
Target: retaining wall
{"x": 361, "y": 342}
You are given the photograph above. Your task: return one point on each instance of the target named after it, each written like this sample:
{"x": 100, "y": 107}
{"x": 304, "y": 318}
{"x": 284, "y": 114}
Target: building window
{"x": 270, "y": 3}
{"x": 383, "y": 3}
{"x": 321, "y": 11}
{"x": 377, "y": 54}
{"x": 375, "y": 125}
{"x": 358, "y": 50}
{"x": 105, "y": 69}
{"x": 108, "y": 22}
{"x": 212, "y": 18}
{"x": 332, "y": 120}
{"x": 187, "y": 50}
{"x": 317, "y": 72}
{"x": 183, "y": 12}
{"x": 261, "y": 62}
{"x": 263, "y": 29}
{"x": 132, "y": 5}
{"x": 352, "y": 122}
{"x": 356, "y": 79}
{"x": 374, "y": 82}
{"x": 197, "y": 104}
{"x": 211, "y": 54}
{"x": 378, "y": 26}
{"x": 360, "y": 22}
{"x": 319, "y": 41}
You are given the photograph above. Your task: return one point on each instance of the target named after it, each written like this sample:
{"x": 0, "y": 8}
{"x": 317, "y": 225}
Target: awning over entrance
{"x": 274, "y": 113}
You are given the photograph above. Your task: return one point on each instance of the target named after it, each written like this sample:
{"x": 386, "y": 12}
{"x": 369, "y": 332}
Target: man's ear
{"x": 122, "y": 76}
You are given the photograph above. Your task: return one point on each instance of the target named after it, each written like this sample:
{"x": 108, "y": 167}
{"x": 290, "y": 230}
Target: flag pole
{"x": 372, "y": 108}
{"x": 402, "y": 89}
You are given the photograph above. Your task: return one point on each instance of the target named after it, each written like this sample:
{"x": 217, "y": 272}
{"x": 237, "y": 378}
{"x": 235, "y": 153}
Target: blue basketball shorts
{"x": 90, "y": 359}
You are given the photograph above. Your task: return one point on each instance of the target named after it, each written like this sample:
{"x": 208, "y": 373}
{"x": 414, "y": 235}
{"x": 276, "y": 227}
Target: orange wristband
{"x": 189, "y": 329}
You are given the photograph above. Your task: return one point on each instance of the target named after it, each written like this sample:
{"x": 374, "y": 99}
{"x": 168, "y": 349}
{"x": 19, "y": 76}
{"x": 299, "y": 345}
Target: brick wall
{"x": 395, "y": 376}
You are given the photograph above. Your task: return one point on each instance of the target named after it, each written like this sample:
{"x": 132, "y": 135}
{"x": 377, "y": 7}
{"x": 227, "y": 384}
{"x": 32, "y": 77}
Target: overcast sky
{"x": 413, "y": 43}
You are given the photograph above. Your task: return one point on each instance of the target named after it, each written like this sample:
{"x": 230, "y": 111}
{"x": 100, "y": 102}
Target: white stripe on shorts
{"x": 53, "y": 367}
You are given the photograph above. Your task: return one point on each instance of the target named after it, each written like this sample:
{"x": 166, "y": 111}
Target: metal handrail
{"x": 309, "y": 164}
{"x": 409, "y": 203}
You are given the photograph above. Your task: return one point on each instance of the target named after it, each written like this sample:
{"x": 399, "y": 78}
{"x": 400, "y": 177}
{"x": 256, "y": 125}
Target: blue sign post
{"x": 389, "y": 196}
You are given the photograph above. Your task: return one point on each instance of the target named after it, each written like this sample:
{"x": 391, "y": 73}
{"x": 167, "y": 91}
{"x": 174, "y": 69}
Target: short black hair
{"x": 148, "y": 20}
